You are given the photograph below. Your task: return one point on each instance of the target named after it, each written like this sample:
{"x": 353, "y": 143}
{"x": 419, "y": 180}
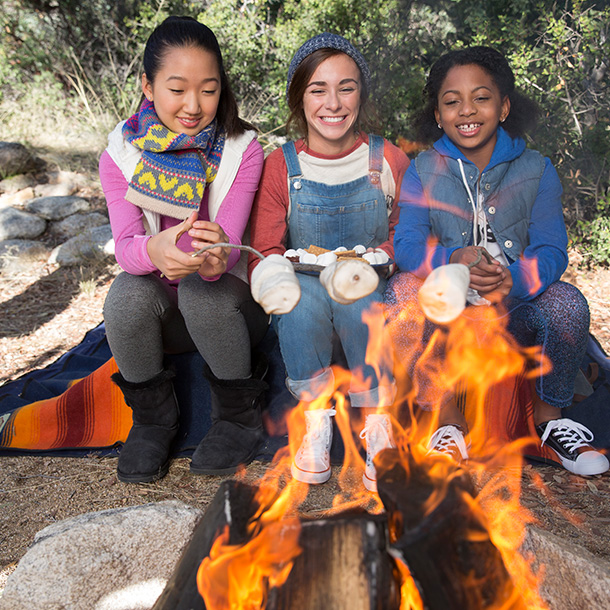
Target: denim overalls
{"x": 330, "y": 216}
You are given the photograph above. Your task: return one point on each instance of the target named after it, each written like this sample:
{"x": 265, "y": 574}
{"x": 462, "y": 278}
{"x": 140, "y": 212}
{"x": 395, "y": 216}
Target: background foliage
{"x": 74, "y": 67}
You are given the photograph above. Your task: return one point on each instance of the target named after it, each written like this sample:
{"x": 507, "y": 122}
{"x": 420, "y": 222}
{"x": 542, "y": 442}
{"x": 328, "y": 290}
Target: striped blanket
{"x": 90, "y": 413}
{"x": 73, "y": 407}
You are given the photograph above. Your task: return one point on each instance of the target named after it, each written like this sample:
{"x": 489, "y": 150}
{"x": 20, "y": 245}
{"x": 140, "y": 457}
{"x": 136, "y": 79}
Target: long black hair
{"x": 179, "y": 32}
{"x": 523, "y": 111}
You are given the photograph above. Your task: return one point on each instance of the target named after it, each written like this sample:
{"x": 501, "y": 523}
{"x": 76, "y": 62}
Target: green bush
{"x": 83, "y": 60}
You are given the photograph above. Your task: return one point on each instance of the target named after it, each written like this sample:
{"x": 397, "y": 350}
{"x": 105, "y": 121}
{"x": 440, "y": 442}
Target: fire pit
{"x": 429, "y": 541}
{"x": 407, "y": 557}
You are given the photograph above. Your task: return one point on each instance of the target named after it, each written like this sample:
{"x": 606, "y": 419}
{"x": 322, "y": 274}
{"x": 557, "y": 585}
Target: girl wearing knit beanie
{"x": 336, "y": 185}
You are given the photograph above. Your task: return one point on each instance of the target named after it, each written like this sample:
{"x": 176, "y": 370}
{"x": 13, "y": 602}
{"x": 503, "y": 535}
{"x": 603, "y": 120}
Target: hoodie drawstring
{"x": 475, "y": 217}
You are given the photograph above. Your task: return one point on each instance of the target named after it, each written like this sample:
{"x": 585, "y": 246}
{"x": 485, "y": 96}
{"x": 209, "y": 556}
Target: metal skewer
{"x": 226, "y": 245}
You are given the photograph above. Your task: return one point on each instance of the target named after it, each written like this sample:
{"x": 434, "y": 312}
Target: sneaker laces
{"x": 447, "y": 437}
{"x": 317, "y": 436}
{"x": 377, "y": 435}
{"x": 569, "y": 433}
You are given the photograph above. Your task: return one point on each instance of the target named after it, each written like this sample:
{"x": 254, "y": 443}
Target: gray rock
{"x": 57, "y": 207}
{"x": 15, "y": 224}
{"x": 77, "y": 223}
{"x": 573, "y": 577}
{"x": 72, "y": 178}
{"x": 109, "y": 560}
{"x": 18, "y": 252}
{"x": 16, "y": 183}
{"x": 96, "y": 243}
{"x": 15, "y": 158}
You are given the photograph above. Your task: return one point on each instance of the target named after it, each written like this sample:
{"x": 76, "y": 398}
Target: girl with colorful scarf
{"x": 178, "y": 175}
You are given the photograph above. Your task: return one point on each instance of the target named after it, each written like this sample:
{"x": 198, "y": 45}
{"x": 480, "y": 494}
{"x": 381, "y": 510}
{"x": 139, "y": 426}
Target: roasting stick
{"x": 226, "y": 245}
{"x": 481, "y": 252}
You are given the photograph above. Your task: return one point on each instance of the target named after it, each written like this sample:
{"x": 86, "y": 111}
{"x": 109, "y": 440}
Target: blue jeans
{"x": 305, "y": 336}
{"x": 332, "y": 215}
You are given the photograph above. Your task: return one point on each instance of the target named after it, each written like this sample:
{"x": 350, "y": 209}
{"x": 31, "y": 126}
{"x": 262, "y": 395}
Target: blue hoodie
{"x": 522, "y": 203}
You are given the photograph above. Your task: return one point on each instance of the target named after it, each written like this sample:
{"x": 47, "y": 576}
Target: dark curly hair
{"x": 523, "y": 111}
{"x": 179, "y": 32}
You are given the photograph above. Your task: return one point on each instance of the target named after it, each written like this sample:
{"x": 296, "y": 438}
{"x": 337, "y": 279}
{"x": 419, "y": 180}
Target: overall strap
{"x": 292, "y": 164}
{"x": 375, "y": 158}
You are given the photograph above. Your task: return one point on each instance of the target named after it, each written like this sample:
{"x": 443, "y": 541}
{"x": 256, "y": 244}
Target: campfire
{"x": 438, "y": 535}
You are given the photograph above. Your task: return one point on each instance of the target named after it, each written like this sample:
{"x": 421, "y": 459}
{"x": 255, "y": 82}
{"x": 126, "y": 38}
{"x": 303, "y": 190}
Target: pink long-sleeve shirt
{"x": 126, "y": 219}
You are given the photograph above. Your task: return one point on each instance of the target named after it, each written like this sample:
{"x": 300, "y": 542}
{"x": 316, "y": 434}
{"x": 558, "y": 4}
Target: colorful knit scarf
{"x": 172, "y": 173}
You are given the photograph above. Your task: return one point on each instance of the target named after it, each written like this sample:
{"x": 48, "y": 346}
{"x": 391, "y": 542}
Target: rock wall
{"x": 52, "y": 214}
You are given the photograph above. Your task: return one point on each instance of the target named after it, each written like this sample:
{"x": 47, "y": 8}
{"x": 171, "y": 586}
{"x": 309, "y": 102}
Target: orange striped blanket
{"x": 90, "y": 413}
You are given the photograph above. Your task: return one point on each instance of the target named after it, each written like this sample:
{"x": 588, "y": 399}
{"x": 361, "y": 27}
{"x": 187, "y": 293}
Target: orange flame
{"x": 239, "y": 577}
{"x": 478, "y": 353}
{"x": 410, "y": 598}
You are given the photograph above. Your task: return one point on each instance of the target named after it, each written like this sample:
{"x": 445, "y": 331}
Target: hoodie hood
{"x": 506, "y": 149}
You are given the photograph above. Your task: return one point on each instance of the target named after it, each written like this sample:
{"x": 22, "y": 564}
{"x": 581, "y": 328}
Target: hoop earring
{"x": 502, "y": 120}
{"x": 439, "y": 125}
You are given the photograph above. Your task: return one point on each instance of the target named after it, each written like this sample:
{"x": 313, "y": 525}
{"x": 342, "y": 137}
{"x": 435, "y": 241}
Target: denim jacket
{"x": 522, "y": 202}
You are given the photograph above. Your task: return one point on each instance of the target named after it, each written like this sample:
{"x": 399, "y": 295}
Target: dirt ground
{"x": 45, "y": 310}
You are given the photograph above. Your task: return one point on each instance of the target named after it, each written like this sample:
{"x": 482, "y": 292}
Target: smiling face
{"x": 331, "y": 104}
{"x": 185, "y": 90}
{"x": 469, "y": 109}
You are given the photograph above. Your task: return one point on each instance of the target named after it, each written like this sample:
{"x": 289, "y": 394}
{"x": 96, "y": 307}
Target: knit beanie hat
{"x": 328, "y": 41}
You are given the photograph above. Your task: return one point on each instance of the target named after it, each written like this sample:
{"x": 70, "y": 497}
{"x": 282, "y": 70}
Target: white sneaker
{"x": 449, "y": 440}
{"x": 377, "y": 435}
{"x": 312, "y": 461}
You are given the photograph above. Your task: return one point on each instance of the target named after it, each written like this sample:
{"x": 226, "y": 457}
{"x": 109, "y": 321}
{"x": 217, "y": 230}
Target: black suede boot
{"x": 237, "y": 427}
{"x": 145, "y": 454}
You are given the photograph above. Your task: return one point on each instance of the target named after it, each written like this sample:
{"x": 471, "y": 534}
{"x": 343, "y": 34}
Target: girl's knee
{"x": 402, "y": 288}
{"x": 135, "y": 296}
{"x": 564, "y": 304}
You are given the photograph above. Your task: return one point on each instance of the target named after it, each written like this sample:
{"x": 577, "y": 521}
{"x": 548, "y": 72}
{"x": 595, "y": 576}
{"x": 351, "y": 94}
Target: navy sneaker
{"x": 570, "y": 441}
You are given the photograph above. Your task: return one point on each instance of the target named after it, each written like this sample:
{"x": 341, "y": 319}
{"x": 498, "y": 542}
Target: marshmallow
{"x": 328, "y": 258}
{"x": 307, "y": 258}
{"x": 274, "y": 285}
{"x": 443, "y": 295}
{"x": 348, "y": 280}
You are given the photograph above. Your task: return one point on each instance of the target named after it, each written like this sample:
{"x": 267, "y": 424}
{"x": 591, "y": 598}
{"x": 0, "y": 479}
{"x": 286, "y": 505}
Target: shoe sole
{"x": 370, "y": 484}
{"x": 593, "y": 468}
{"x": 148, "y": 477}
{"x": 215, "y": 471}
{"x": 313, "y": 478}
{"x": 228, "y": 469}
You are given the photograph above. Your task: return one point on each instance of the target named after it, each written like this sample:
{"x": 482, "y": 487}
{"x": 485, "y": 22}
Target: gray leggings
{"x": 146, "y": 318}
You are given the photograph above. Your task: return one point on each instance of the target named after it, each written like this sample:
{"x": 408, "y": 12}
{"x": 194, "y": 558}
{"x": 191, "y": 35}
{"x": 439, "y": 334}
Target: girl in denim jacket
{"x": 479, "y": 188}
{"x": 334, "y": 187}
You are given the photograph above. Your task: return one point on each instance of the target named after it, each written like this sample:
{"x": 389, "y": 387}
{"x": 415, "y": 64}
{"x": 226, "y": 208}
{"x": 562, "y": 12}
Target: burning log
{"x": 233, "y": 505}
{"x": 343, "y": 563}
{"x": 441, "y": 539}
